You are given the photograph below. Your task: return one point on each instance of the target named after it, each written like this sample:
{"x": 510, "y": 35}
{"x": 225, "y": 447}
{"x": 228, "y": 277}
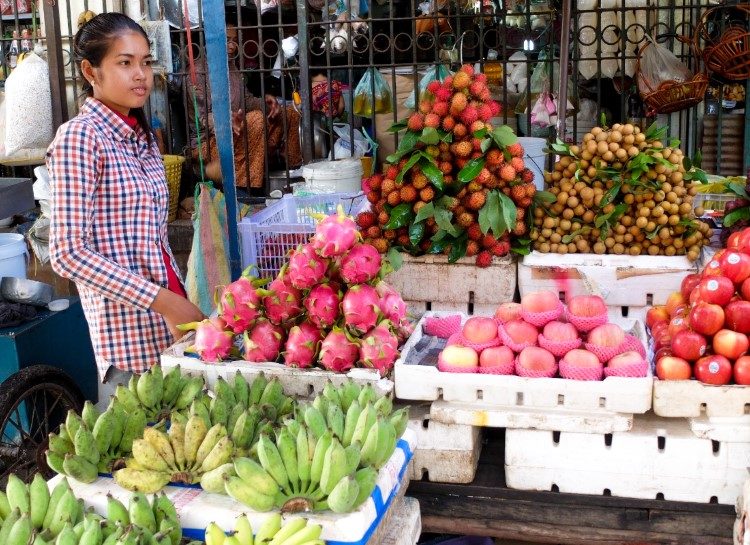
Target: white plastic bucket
{"x": 535, "y": 158}
{"x": 13, "y": 255}
{"x": 341, "y": 176}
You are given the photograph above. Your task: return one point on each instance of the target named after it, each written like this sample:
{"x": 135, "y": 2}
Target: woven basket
{"x": 728, "y": 54}
{"x": 173, "y": 170}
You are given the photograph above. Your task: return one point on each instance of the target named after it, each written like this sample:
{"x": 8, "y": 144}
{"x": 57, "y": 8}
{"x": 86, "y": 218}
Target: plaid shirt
{"x": 109, "y": 212}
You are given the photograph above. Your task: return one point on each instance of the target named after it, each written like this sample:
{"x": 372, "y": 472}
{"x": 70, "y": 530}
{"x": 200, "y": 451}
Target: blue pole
{"x": 218, "y": 76}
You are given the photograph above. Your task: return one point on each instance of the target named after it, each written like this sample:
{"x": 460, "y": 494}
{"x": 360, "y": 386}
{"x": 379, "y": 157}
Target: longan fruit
{"x": 619, "y": 239}
{"x": 582, "y": 246}
{"x": 699, "y": 211}
{"x": 653, "y": 250}
{"x": 553, "y": 248}
{"x": 620, "y": 229}
{"x": 618, "y": 249}
{"x": 685, "y": 208}
{"x": 555, "y": 238}
{"x": 546, "y": 233}
{"x": 628, "y": 238}
{"x": 641, "y": 222}
{"x": 565, "y": 225}
{"x": 627, "y": 129}
{"x": 633, "y": 151}
{"x": 629, "y": 198}
{"x": 588, "y": 216}
{"x": 608, "y": 156}
{"x": 568, "y": 213}
{"x": 572, "y": 202}
{"x": 628, "y": 140}
{"x": 657, "y": 211}
{"x": 579, "y": 210}
{"x": 670, "y": 250}
{"x": 627, "y": 221}
{"x": 599, "y": 247}
{"x": 609, "y": 242}
{"x": 562, "y": 249}
{"x": 562, "y": 197}
{"x": 544, "y": 247}
{"x": 549, "y": 223}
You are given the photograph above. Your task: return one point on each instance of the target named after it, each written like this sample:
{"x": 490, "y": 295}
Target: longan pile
{"x": 658, "y": 220}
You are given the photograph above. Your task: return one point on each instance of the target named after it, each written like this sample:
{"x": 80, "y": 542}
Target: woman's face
{"x": 125, "y": 77}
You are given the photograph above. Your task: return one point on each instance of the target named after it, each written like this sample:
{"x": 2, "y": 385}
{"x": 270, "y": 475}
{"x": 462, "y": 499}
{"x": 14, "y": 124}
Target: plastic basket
{"x": 713, "y": 204}
{"x": 173, "y": 170}
{"x": 268, "y": 235}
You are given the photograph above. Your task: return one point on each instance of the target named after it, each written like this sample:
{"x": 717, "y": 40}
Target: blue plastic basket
{"x": 268, "y": 235}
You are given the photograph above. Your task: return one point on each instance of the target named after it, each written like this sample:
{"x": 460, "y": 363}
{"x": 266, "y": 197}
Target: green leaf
{"x": 611, "y": 194}
{"x": 521, "y": 250}
{"x": 509, "y": 211}
{"x": 408, "y": 142}
{"x": 427, "y": 211}
{"x": 698, "y": 159}
{"x": 398, "y": 126}
{"x": 401, "y": 216}
{"x": 602, "y": 119}
{"x": 486, "y": 143}
{"x": 736, "y": 215}
{"x": 490, "y": 216}
{"x": 567, "y": 239}
{"x": 481, "y": 133}
{"x": 471, "y": 170}
{"x": 447, "y": 137}
{"x": 395, "y": 258}
{"x": 600, "y": 220}
{"x": 430, "y": 136}
{"x": 544, "y": 197}
{"x": 504, "y": 136}
{"x": 654, "y": 132}
{"x": 458, "y": 249}
{"x": 440, "y": 235}
{"x": 619, "y": 210}
{"x": 434, "y": 174}
{"x": 443, "y": 219}
{"x": 394, "y": 158}
{"x": 410, "y": 163}
{"x": 416, "y": 232}
{"x": 738, "y": 189}
{"x": 687, "y": 164}
{"x": 439, "y": 245}
{"x": 674, "y": 143}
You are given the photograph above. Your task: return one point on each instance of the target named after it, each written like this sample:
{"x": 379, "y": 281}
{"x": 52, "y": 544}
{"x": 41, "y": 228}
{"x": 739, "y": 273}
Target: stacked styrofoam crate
{"x": 742, "y": 524}
{"x": 628, "y": 284}
{"x": 405, "y": 526}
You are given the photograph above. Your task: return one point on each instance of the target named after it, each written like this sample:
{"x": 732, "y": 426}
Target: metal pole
{"x": 218, "y": 74}
{"x": 562, "y": 95}
{"x": 303, "y": 33}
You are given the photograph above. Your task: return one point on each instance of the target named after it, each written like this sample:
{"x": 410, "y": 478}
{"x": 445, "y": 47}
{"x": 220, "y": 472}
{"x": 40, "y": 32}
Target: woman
{"x": 108, "y": 231}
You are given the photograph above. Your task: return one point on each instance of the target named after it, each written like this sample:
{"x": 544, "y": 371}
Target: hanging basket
{"x": 672, "y": 96}
{"x": 725, "y": 51}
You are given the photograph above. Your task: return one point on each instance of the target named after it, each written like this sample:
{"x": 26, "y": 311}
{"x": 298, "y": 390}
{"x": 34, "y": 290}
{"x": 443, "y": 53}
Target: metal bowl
{"x": 28, "y": 292}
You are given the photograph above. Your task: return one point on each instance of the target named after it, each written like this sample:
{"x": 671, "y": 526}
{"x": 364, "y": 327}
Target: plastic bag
{"x": 658, "y": 66}
{"x": 372, "y": 95}
{"x": 437, "y": 72}
{"x": 28, "y": 106}
{"x": 344, "y": 148}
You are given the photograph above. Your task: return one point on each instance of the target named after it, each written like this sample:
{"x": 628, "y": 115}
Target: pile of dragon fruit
{"x": 328, "y": 307}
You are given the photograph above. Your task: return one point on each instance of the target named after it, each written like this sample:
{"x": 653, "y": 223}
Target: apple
{"x": 673, "y": 368}
{"x": 674, "y": 300}
{"x": 534, "y": 358}
{"x": 714, "y": 369}
{"x": 507, "y": 312}
{"x": 745, "y": 289}
{"x": 676, "y": 325}
{"x": 733, "y": 241}
{"x": 743, "y": 243}
{"x": 521, "y": 332}
{"x": 730, "y": 344}
{"x": 735, "y": 265}
{"x": 582, "y": 358}
{"x": 688, "y": 345}
{"x": 587, "y": 306}
{"x": 460, "y": 357}
{"x": 540, "y": 301}
{"x": 496, "y": 356}
{"x": 713, "y": 267}
{"x": 706, "y": 318}
{"x": 662, "y": 352}
{"x": 741, "y": 371}
{"x": 663, "y": 342}
{"x": 560, "y": 331}
{"x": 738, "y": 316}
{"x": 695, "y": 296}
{"x": 688, "y": 285}
{"x": 625, "y": 359}
{"x": 656, "y": 314}
{"x": 480, "y": 329}
{"x": 659, "y": 328}
{"x": 610, "y": 335}
{"x": 718, "y": 290}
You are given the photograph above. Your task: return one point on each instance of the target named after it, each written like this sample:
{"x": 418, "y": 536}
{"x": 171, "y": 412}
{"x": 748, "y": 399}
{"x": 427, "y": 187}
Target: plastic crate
{"x": 713, "y": 204}
{"x": 268, "y": 235}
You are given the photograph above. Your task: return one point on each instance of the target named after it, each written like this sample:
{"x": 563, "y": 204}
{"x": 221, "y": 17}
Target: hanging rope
{"x": 194, "y": 83}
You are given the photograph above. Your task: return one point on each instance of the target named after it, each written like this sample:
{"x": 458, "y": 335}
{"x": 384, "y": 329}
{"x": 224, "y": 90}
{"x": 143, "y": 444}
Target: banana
{"x": 269, "y": 528}
{"x": 172, "y": 384}
{"x": 219, "y": 411}
{"x": 21, "y": 531}
{"x": 116, "y": 511}
{"x": 293, "y": 426}
{"x": 383, "y": 406}
{"x": 287, "y": 407}
{"x": 63, "y": 433}
{"x": 147, "y": 456}
{"x": 119, "y": 419}
{"x": 38, "y": 539}
{"x": 343, "y": 496}
{"x": 350, "y": 422}
{"x": 370, "y": 446}
{"x": 4, "y": 506}
{"x": 334, "y": 468}
{"x": 72, "y": 423}
{"x": 243, "y": 530}
{"x": 224, "y": 391}
{"x": 195, "y": 432}
{"x": 89, "y": 414}
{"x": 255, "y": 477}
{"x": 331, "y": 393}
{"x": 237, "y": 489}
{"x": 65, "y": 511}
{"x": 171, "y": 527}
{"x": 366, "y": 478}
{"x": 366, "y": 395}
{"x": 18, "y": 493}
{"x": 304, "y": 458}
{"x": 219, "y": 455}
{"x": 270, "y": 459}
{"x": 140, "y": 512}
{"x": 92, "y": 535}
{"x": 241, "y": 389}
{"x": 198, "y": 408}
{"x": 133, "y": 385}
{"x": 319, "y": 457}
{"x": 348, "y": 392}
{"x": 8, "y": 524}
{"x": 400, "y": 419}
{"x": 386, "y": 444}
{"x": 234, "y": 415}
{"x": 353, "y": 457}
{"x": 80, "y": 469}
{"x": 133, "y": 429}
{"x": 190, "y": 389}
{"x": 256, "y": 389}
{"x": 141, "y": 480}
{"x": 149, "y": 388}
{"x": 38, "y": 500}
{"x": 102, "y": 431}
{"x": 213, "y": 481}
{"x": 112, "y": 539}
{"x": 321, "y": 403}
{"x": 57, "y": 493}
{"x": 273, "y": 394}
{"x": 160, "y": 441}
{"x": 288, "y": 530}
{"x": 315, "y": 421}
{"x": 335, "y": 418}
{"x": 66, "y": 536}
{"x": 364, "y": 423}
{"x": 164, "y": 510}
{"x": 214, "y": 535}
{"x": 85, "y": 446}
{"x": 244, "y": 428}
{"x": 176, "y": 435}
{"x": 213, "y": 436}
{"x": 305, "y": 535}
{"x": 127, "y": 398}
{"x": 287, "y": 447}
{"x": 232, "y": 540}
{"x": 268, "y": 412}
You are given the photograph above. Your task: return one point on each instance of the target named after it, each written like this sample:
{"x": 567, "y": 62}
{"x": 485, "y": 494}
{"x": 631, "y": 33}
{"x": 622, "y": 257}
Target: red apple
{"x": 745, "y": 289}
{"x": 663, "y": 342}
{"x": 676, "y": 325}
{"x": 560, "y": 331}
{"x": 582, "y": 358}
{"x": 587, "y": 305}
{"x": 508, "y": 311}
{"x": 735, "y": 265}
{"x": 688, "y": 284}
{"x": 496, "y": 356}
{"x": 706, "y": 318}
{"x": 742, "y": 371}
{"x": 521, "y": 332}
{"x": 480, "y": 329}
{"x": 738, "y": 316}
{"x": 663, "y": 352}
{"x": 656, "y": 314}
{"x": 688, "y": 345}
{"x": 714, "y": 369}
{"x": 674, "y": 300}
{"x": 695, "y": 296}
{"x": 458, "y": 356}
{"x": 743, "y": 243}
{"x": 718, "y": 290}
{"x": 536, "y": 359}
{"x": 610, "y": 335}
{"x": 540, "y": 301}
{"x": 713, "y": 267}
{"x": 659, "y": 328}
{"x": 734, "y": 240}
{"x": 625, "y": 359}
{"x": 730, "y": 344}
{"x": 672, "y": 368}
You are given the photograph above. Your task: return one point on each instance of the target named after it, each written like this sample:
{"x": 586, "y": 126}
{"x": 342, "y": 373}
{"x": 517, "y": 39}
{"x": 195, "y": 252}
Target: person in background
{"x": 327, "y": 98}
{"x": 108, "y": 230}
{"x": 249, "y": 125}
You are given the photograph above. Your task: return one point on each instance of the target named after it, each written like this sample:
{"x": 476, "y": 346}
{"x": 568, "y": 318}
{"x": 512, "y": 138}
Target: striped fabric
{"x": 109, "y": 222}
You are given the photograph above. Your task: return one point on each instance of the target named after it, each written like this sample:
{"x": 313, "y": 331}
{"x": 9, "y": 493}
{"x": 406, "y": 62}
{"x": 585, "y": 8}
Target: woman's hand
{"x": 272, "y": 106}
{"x": 176, "y": 310}
{"x": 238, "y": 118}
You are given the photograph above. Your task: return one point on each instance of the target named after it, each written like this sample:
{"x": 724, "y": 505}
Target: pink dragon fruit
{"x": 213, "y": 342}
{"x": 391, "y": 304}
{"x": 338, "y": 353}
{"x": 404, "y": 330}
{"x": 239, "y": 304}
{"x": 361, "y": 307}
{"x": 302, "y": 345}
{"x": 263, "y": 341}
{"x": 306, "y": 268}
{"x": 379, "y": 348}
{"x": 335, "y": 235}
{"x": 282, "y": 302}
{"x": 360, "y": 264}
{"x": 322, "y": 304}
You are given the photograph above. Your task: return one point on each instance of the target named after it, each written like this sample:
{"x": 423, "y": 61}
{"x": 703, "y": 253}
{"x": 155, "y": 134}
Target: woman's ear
{"x": 88, "y": 71}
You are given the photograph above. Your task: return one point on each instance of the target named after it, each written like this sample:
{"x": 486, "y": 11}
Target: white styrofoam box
{"x": 742, "y": 524}
{"x": 729, "y": 429}
{"x": 690, "y": 398}
{"x": 429, "y": 282}
{"x": 197, "y": 508}
{"x": 406, "y": 524}
{"x": 303, "y": 383}
{"x": 448, "y": 453}
{"x": 657, "y": 458}
{"x": 621, "y": 280}
{"x": 613, "y": 394}
{"x": 552, "y": 419}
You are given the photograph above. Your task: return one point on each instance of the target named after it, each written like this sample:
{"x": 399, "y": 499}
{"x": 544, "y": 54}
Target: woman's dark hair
{"x": 92, "y": 42}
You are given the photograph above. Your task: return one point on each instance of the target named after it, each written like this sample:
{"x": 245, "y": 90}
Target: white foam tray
{"x": 692, "y": 398}
{"x": 197, "y": 508}
{"x": 729, "y": 429}
{"x": 657, "y": 458}
{"x": 303, "y": 383}
{"x": 446, "y": 453}
{"x": 406, "y": 524}
{"x": 613, "y": 394}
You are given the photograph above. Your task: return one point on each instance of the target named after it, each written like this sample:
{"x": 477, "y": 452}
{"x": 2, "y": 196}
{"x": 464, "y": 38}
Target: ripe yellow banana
{"x": 195, "y": 432}
{"x": 290, "y": 528}
{"x": 147, "y": 456}
{"x": 213, "y": 481}
{"x": 219, "y": 455}
{"x": 214, "y": 535}
{"x": 137, "y": 480}
{"x": 209, "y": 442}
{"x": 242, "y": 528}
{"x": 269, "y": 528}
{"x": 160, "y": 441}
{"x": 303, "y": 536}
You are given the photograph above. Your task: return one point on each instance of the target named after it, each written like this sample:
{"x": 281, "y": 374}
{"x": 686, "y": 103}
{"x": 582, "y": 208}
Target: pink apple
{"x": 496, "y": 356}
{"x": 688, "y": 345}
{"x": 507, "y": 312}
{"x": 534, "y": 358}
{"x": 521, "y": 332}
{"x": 730, "y": 344}
{"x": 587, "y": 306}
{"x": 480, "y": 329}
{"x": 560, "y": 331}
{"x": 582, "y": 358}
{"x": 625, "y": 359}
{"x": 459, "y": 356}
{"x": 540, "y": 301}
{"x": 610, "y": 335}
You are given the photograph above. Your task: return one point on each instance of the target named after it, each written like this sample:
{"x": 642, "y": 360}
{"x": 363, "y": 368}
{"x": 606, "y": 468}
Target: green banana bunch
{"x": 274, "y": 531}
{"x": 184, "y": 454}
{"x": 158, "y": 394}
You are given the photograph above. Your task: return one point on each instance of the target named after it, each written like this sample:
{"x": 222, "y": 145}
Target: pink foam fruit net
{"x": 574, "y": 372}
